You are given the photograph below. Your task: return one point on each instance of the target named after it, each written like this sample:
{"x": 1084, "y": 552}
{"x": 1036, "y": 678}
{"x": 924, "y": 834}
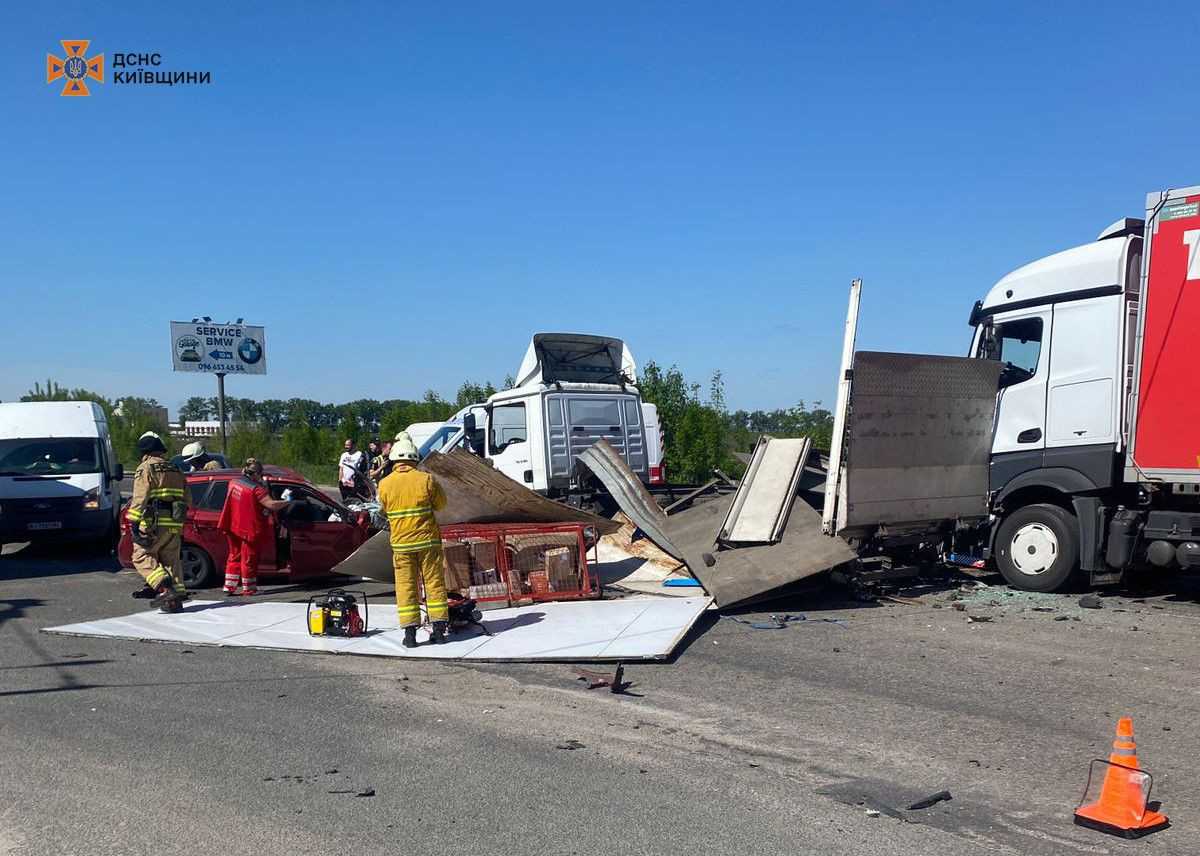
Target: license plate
{"x": 46, "y": 524}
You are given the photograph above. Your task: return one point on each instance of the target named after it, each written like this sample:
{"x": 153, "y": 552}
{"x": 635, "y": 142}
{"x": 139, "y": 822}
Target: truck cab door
{"x": 508, "y": 441}
{"x": 1022, "y": 340}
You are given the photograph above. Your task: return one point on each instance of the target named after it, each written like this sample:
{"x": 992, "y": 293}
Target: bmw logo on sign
{"x": 250, "y": 351}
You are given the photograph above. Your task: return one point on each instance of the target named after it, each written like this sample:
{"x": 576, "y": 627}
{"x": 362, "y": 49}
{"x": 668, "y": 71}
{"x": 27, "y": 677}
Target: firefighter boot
{"x": 410, "y": 637}
{"x": 166, "y": 599}
{"x": 438, "y": 636}
{"x": 146, "y": 592}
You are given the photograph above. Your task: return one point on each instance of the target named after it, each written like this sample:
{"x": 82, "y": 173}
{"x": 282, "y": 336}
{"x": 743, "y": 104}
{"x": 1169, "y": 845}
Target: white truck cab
{"x": 59, "y": 477}
{"x": 1094, "y": 462}
{"x": 571, "y": 390}
{"x": 1064, "y": 326}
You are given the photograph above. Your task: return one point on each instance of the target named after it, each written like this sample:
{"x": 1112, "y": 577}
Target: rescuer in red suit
{"x": 246, "y": 522}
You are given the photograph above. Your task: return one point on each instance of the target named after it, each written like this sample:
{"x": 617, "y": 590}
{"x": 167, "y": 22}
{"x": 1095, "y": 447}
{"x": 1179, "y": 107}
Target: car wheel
{"x": 1037, "y": 547}
{"x": 195, "y": 566}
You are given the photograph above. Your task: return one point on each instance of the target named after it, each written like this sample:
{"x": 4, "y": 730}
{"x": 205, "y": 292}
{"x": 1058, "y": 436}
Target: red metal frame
{"x": 499, "y": 533}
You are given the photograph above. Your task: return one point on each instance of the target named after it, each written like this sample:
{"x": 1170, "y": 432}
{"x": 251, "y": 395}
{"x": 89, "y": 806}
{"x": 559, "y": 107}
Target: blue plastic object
{"x": 681, "y": 582}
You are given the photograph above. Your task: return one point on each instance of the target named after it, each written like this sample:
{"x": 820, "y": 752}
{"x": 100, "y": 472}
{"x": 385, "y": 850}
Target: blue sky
{"x": 403, "y": 193}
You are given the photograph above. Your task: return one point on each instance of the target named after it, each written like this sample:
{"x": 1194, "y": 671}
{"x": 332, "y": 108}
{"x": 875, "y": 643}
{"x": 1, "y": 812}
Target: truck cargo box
{"x": 1166, "y": 409}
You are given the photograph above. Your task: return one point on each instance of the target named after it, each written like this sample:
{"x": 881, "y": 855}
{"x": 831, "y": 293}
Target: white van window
{"x": 508, "y": 425}
{"x": 554, "y": 412}
{"x": 595, "y": 411}
{"x": 59, "y": 456}
{"x": 633, "y": 412}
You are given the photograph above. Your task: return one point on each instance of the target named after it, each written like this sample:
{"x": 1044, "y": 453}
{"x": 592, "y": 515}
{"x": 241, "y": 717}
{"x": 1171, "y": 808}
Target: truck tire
{"x": 1037, "y": 547}
{"x": 195, "y": 566}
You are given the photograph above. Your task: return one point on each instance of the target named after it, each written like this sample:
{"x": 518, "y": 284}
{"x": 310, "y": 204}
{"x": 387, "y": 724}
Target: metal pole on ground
{"x": 221, "y": 412}
{"x": 836, "y": 444}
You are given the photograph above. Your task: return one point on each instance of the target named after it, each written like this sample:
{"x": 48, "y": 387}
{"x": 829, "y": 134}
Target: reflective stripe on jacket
{"x": 409, "y": 498}
{"x": 157, "y": 485}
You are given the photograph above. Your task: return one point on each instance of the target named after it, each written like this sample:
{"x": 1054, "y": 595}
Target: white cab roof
{"x": 1095, "y": 265}
{"x": 576, "y": 358}
{"x": 38, "y": 419}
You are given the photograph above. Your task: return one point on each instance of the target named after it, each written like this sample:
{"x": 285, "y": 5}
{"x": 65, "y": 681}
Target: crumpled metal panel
{"x": 729, "y": 576}
{"x": 476, "y": 492}
{"x": 372, "y": 559}
{"x": 919, "y": 439}
{"x": 631, "y": 495}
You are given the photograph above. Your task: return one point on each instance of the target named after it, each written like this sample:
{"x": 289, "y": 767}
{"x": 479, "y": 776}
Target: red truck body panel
{"x": 1167, "y": 413}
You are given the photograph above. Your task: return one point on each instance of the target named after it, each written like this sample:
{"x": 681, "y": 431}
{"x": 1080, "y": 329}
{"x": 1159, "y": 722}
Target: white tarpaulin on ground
{"x": 636, "y": 628}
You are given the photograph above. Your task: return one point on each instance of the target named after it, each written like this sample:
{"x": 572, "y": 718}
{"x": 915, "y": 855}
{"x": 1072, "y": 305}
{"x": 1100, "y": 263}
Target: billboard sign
{"x": 205, "y": 346}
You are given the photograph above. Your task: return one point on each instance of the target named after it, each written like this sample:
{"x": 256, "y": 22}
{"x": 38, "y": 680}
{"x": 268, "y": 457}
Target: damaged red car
{"x": 311, "y": 536}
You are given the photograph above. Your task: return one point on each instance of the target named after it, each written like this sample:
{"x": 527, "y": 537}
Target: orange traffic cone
{"x": 1120, "y": 808}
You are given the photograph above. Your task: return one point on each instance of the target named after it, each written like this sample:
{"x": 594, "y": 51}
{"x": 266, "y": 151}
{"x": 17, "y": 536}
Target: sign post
{"x": 221, "y": 413}
{"x": 202, "y": 345}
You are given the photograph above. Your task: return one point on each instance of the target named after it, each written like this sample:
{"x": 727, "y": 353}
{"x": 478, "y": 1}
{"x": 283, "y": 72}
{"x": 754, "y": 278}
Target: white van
{"x": 422, "y": 431}
{"x": 59, "y": 478}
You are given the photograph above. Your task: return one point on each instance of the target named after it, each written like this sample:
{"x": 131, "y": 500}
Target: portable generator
{"x": 336, "y": 613}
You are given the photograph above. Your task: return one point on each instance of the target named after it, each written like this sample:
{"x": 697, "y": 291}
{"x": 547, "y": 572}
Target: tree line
{"x": 700, "y": 433}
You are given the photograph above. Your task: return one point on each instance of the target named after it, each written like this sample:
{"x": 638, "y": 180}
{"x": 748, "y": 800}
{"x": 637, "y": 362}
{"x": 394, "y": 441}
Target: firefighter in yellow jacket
{"x": 156, "y": 515}
{"x": 409, "y": 498}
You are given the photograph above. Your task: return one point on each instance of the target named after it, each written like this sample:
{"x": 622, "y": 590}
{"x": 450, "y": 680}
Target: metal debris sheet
{"x": 636, "y": 628}
{"x": 764, "y": 496}
{"x": 477, "y": 493}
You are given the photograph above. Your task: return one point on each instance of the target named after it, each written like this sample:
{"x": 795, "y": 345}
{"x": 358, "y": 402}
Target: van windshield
{"x": 437, "y": 440}
{"x": 54, "y": 456}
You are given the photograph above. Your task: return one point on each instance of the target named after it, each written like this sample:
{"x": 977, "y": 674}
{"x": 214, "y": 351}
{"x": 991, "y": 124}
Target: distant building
{"x": 158, "y": 414}
{"x": 209, "y": 427}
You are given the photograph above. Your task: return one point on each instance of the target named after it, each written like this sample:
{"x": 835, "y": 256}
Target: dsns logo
{"x": 75, "y": 67}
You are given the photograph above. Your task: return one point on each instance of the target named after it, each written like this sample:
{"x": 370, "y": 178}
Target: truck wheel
{"x": 195, "y": 566}
{"x": 1037, "y": 547}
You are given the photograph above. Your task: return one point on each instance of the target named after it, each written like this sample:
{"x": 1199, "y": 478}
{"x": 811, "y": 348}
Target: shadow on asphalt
{"x": 15, "y": 607}
{"x": 54, "y": 560}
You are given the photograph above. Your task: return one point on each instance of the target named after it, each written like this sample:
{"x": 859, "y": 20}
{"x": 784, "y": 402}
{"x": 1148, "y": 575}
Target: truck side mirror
{"x": 118, "y": 472}
{"x": 468, "y": 424}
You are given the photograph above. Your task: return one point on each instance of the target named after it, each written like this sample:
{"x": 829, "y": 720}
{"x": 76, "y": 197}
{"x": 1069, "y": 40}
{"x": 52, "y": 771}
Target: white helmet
{"x": 404, "y": 449}
{"x": 193, "y": 450}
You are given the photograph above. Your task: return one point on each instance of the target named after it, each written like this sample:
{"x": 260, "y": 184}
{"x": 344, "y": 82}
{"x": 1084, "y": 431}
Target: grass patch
{"x": 325, "y": 474}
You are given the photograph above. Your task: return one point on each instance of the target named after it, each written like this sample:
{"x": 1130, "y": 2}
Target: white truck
{"x": 1092, "y": 460}
{"x": 59, "y": 477}
{"x": 571, "y": 390}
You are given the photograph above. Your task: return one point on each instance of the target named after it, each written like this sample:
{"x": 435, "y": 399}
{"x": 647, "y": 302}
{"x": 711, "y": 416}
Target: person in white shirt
{"x": 351, "y": 466}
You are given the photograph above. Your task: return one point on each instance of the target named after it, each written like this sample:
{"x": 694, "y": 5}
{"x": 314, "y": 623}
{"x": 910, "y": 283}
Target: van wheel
{"x": 195, "y": 566}
{"x": 106, "y": 544}
{"x": 1037, "y": 547}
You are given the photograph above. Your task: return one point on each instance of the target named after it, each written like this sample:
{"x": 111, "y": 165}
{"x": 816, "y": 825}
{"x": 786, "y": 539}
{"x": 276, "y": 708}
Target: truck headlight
{"x": 91, "y": 499}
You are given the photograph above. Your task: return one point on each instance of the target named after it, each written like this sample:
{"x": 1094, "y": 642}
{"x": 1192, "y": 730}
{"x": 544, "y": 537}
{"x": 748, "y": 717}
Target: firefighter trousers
{"x": 159, "y": 561}
{"x": 241, "y": 564}
{"x": 412, "y": 570}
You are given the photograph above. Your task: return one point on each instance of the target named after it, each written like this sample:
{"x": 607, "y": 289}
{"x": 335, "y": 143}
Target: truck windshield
{"x": 55, "y": 456}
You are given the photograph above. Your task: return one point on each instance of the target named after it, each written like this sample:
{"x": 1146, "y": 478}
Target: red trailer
{"x": 1166, "y": 410}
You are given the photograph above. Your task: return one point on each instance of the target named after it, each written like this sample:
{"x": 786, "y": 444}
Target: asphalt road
{"x": 750, "y": 741}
